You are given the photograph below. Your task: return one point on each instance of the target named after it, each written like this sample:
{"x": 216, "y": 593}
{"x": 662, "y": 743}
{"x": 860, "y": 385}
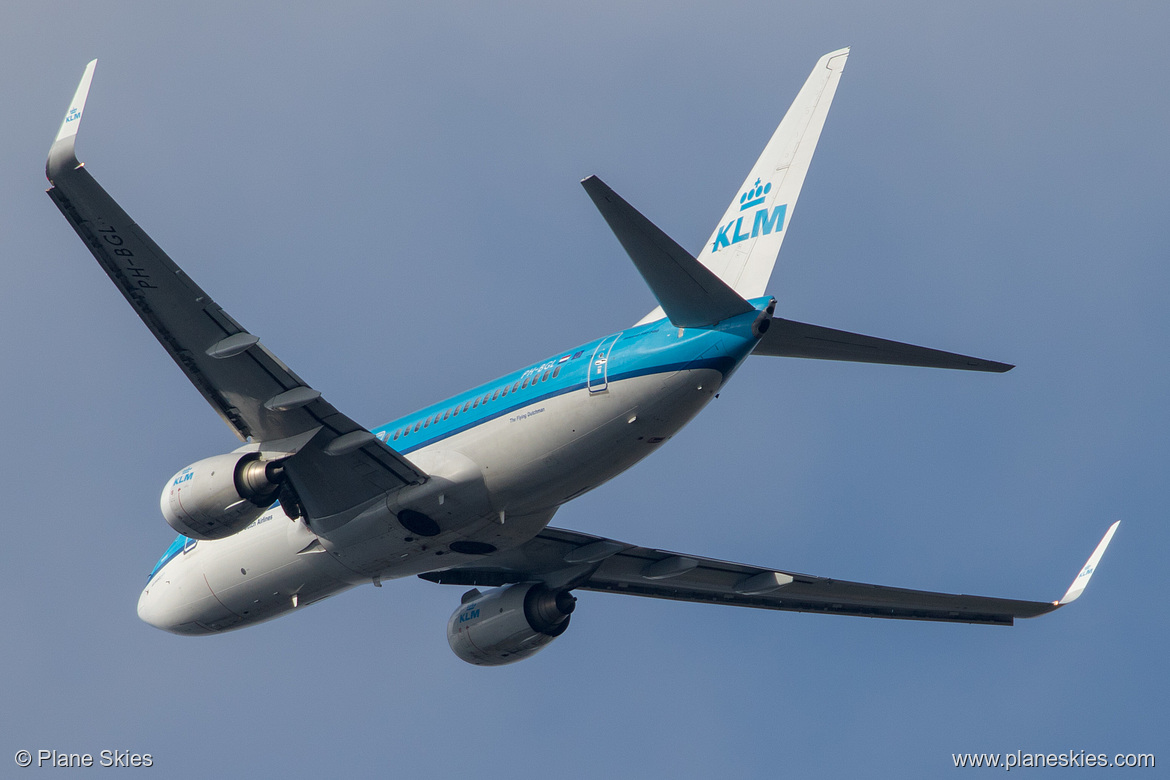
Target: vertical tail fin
{"x": 742, "y": 250}
{"x": 743, "y": 247}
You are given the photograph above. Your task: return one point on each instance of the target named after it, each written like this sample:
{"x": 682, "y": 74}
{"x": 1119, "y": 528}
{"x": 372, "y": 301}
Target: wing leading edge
{"x": 339, "y": 463}
{"x": 572, "y": 560}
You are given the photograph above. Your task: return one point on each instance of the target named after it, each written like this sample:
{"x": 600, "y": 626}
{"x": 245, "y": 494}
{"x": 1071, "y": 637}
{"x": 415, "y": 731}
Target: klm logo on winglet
{"x": 73, "y": 114}
{"x": 763, "y": 221}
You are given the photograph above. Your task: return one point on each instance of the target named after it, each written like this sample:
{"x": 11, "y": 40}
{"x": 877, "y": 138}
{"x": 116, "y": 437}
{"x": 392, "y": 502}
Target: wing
{"x": 338, "y": 462}
{"x": 572, "y": 560}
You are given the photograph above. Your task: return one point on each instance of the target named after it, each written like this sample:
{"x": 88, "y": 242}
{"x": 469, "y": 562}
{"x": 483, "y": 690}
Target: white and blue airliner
{"x": 462, "y": 491}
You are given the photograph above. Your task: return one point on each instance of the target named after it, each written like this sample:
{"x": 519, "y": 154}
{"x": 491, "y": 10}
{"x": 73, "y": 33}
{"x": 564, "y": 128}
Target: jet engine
{"x": 509, "y": 623}
{"x": 217, "y": 497}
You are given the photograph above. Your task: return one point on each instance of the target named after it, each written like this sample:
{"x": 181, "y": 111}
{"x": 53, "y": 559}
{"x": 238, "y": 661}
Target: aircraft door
{"x": 599, "y": 364}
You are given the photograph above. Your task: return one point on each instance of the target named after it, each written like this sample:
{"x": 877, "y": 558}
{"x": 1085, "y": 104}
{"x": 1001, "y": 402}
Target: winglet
{"x": 1082, "y": 581}
{"x": 62, "y": 157}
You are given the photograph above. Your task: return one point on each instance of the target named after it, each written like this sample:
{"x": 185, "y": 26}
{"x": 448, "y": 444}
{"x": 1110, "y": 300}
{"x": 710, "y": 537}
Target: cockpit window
{"x": 179, "y": 546}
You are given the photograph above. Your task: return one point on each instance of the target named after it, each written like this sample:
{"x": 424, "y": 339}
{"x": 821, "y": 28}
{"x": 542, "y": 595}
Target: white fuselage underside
{"x": 531, "y": 461}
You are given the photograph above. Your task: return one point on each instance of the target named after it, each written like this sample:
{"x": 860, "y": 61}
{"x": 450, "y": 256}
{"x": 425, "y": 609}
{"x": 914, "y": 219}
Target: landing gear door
{"x": 599, "y": 364}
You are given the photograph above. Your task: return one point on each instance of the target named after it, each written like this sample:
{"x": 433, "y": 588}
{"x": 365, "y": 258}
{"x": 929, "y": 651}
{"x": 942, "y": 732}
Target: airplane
{"x": 462, "y": 492}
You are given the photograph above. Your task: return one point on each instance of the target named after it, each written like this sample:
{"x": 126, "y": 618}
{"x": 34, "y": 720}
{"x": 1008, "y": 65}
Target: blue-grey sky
{"x": 387, "y": 193}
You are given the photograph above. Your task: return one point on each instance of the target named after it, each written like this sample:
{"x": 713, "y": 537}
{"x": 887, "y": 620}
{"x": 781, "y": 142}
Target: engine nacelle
{"x": 217, "y": 497}
{"x": 507, "y": 624}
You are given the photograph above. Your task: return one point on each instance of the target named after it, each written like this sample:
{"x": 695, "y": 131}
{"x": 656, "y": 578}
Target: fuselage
{"x": 501, "y": 457}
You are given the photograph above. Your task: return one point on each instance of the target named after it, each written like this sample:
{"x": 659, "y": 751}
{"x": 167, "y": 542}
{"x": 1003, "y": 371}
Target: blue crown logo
{"x": 764, "y": 221}
{"x": 754, "y": 196}
{"x": 73, "y": 114}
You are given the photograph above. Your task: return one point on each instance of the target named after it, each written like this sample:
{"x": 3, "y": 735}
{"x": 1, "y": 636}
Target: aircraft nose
{"x": 180, "y": 604}
{"x": 160, "y": 605}
{"x": 148, "y": 608}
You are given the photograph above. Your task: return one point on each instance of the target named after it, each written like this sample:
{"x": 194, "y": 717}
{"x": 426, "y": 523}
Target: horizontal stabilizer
{"x": 787, "y": 338}
{"x": 689, "y": 293}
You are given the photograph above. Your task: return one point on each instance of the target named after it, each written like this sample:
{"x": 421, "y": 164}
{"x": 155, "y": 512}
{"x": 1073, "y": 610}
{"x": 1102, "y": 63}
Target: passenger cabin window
{"x": 417, "y": 426}
{"x": 516, "y": 386}
{"x": 525, "y": 383}
{"x": 545, "y": 377}
{"x": 467, "y": 406}
{"x": 556, "y": 372}
{"x": 504, "y": 392}
{"x": 475, "y": 403}
{"x": 396, "y": 434}
{"x": 426, "y": 422}
{"x": 446, "y": 414}
{"x": 495, "y": 395}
